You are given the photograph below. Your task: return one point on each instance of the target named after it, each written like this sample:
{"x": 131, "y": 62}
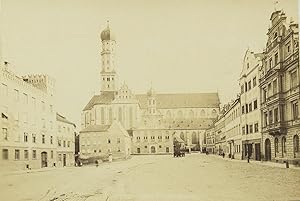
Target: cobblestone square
{"x": 194, "y": 177}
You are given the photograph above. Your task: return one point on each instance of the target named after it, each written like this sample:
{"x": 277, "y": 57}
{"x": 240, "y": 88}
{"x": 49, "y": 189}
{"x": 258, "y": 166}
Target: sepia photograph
{"x": 149, "y": 100}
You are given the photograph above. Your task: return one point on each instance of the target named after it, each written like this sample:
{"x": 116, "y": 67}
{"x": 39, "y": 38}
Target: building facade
{"x": 28, "y": 118}
{"x": 250, "y": 105}
{"x": 220, "y": 134}
{"x": 102, "y": 141}
{"x": 232, "y": 120}
{"x": 151, "y": 119}
{"x": 279, "y": 84}
{"x": 65, "y": 141}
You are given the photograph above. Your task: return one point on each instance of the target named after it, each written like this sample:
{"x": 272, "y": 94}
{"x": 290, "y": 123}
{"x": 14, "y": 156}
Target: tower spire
{"x": 275, "y": 5}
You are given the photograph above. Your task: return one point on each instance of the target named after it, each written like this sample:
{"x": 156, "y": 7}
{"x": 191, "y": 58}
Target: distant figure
{"x": 96, "y": 161}
{"x": 223, "y": 154}
{"x": 248, "y": 158}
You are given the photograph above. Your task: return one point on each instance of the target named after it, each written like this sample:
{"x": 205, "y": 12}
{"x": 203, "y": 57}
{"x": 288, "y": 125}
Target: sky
{"x": 178, "y": 46}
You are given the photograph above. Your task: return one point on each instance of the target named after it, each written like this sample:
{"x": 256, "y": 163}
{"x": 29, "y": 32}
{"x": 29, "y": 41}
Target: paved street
{"x": 157, "y": 178}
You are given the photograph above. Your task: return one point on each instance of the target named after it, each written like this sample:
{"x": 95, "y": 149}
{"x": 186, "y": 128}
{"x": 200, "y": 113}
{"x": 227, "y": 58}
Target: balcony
{"x": 294, "y": 122}
{"x": 276, "y": 98}
{"x": 275, "y": 128}
{"x": 291, "y": 59}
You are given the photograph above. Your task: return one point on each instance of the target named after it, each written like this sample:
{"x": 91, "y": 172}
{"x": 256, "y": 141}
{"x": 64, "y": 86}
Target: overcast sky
{"x": 179, "y": 46}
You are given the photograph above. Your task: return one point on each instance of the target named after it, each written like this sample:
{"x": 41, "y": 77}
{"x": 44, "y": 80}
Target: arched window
{"x": 120, "y": 114}
{"x": 179, "y": 114}
{"x": 191, "y": 114}
{"x": 130, "y": 116}
{"x": 102, "y": 115}
{"x": 202, "y": 113}
{"x": 110, "y": 115}
{"x": 283, "y": 145}
{"x": 169, "y": 114}
{"x": 194, "y": 138}
{"x": 182, "y": 135}
{"x": 276, "y": 146}
{"x": 214, "y": 113}
{"x": 296, "y": 145}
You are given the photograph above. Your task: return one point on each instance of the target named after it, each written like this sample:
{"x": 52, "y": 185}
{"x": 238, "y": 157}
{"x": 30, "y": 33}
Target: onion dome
{"x": 107, "y": 34}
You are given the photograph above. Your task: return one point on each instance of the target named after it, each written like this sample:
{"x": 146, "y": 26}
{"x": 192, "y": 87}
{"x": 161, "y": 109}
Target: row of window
{"x": 25, "y": 120}
{"x": 249, "y": 107}
{"x": 237, "y": 148}
{"x": 109, "y": 141}
{"x": 25, "y": 98}
{"x": 232, "y": 115}
{"x": 108, "y": 78}
{"x": 138, "y": 150}
{"x": 152, "y": 137}
{"x": 248, "y": 85}
{"x": 5, "y": 135}
{"x": 274, "y": 87}
{"x": 250, "y": 128}
{"x": 272, "y": 116}
{"x": 64, "y": 143}
{"x": 191, "y": 114}
{"x": 89, "y": 151}
{"x": 5, "y": 154}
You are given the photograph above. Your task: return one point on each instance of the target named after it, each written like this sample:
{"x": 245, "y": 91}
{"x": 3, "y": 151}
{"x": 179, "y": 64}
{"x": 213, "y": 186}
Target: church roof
{"x": 103, "y": 98}
{"x": 164, "y": 101}
{"x": 182, "y": 100}
{"x": 95, "y": 128}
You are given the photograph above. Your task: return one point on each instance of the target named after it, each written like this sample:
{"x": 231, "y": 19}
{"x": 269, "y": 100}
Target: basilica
{"x": 122, "y": 123}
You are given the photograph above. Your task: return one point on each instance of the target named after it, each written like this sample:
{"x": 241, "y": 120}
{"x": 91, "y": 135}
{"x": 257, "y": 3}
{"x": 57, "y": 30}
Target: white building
{"x": 65, "y": 141}
{"x": 28, "y": 117}
{"x": 250, "y": 105}
{"x": 232, "y": 130}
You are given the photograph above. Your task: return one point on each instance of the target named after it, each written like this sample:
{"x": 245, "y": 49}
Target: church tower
{"x": 108, "y": 73}
{"x": 151, "y": 102}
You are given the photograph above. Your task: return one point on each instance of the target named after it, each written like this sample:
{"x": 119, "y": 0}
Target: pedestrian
{"x": 248, "y": 158}
{"x": 223, "y": 155}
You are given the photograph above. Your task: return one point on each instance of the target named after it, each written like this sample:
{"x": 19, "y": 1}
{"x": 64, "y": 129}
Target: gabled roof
{"x": 182, "y": 100}
{"x": 95, "y": 128}
{"x": 103, "y": 98}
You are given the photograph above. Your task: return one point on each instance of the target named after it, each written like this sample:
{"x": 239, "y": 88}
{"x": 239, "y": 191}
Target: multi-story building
{"x": 250, "y": 105}
{"x": 103, "y": 140}
{"x": 232, "y": 130}
{"x": 210, "y": 139}
{"x": 147, "y": 117}
{"x": 65, "y": 141}
{"x": 28, "y": 137}
{"x": 220, "y": 134}
{"x": 279, "y": 84}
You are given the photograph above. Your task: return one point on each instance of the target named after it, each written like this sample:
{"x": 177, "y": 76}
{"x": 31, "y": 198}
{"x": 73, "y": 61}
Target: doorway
{"x": 153, "y": 149}
{"x": 257, "y": 151}
{"x": 64, "y": 160}
{"x": 268, "y": 150}
{"x": 44, "y": 159}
